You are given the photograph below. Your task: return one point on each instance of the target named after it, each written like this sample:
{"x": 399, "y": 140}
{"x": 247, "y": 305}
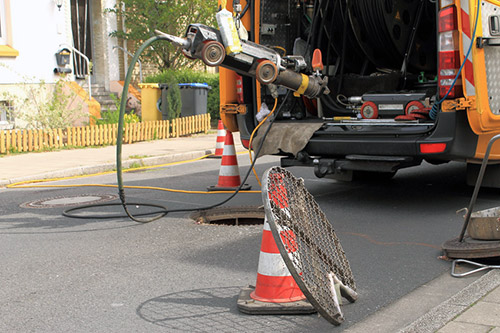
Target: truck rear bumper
{"x": 388, "y": 149}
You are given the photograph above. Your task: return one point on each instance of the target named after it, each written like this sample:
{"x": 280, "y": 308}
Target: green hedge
{"x": 191, "y": 76}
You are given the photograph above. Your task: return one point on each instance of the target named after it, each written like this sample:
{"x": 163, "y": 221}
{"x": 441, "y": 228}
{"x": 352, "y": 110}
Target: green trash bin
{"x": 194, "y": 98}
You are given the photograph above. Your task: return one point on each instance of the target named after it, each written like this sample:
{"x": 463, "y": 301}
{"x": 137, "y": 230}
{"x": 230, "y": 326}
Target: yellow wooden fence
{"x": 23, "y": 140}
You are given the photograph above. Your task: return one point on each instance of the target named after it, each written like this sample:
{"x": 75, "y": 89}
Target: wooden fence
{"x": 23, "y": 140}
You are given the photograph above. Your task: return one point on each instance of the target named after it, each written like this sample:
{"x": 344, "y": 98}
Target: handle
{"x": 476, "y": 188}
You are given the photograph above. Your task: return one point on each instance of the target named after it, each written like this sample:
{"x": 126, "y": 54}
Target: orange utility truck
{"x": 402, "y": 81}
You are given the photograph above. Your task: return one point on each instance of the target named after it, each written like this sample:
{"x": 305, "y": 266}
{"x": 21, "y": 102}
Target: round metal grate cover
{"x": 67, "y": 201}
{"x": 308, "y": 243}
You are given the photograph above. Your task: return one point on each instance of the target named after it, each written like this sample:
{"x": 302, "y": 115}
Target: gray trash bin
{"x": 194, "y": 98}
{"x": 162, "y": 104}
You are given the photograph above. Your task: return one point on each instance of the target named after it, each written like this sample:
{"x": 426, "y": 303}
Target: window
{"x": 6, "y": 49}
{"x": 6, "y": 114}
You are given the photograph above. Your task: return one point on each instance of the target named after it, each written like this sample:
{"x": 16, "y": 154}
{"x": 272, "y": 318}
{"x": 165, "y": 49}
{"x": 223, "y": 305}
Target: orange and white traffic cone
{"x": 276, "y": 291}
{"x": 274, "y": 281}
{"x": 219, "y": 145}
{"x": 229, "y": 174}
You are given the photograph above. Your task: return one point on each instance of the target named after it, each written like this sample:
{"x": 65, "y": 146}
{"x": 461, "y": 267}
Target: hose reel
{"x": 383, "y": 30}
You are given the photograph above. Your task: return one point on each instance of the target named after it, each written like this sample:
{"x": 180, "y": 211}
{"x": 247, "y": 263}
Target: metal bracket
{"x": 481, "y": 42}
{"x": 233, "y": 109}
{"x": 465, "y": 103}
{"x": 481, "y": 267}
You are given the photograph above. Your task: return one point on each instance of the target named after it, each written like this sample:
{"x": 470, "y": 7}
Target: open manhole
{"x": 238, "y": 215}
{"x": 72, "y": 200}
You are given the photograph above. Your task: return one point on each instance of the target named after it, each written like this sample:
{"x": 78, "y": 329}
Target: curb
{"x": 93, "y": 169}
{"x": 445, "y": 312}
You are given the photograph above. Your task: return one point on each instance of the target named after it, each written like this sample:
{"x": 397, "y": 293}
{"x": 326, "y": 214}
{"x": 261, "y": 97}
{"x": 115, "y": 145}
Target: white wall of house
{"x": 38, "y": 29}
{"x": 113, "y": 54}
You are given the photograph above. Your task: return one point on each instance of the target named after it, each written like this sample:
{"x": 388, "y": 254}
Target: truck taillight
{"x": 449, "y": 55}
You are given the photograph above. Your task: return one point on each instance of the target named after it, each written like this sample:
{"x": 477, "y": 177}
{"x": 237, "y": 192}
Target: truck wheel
{"x": 369, "y": 110}
{"x": 213, "y": 53}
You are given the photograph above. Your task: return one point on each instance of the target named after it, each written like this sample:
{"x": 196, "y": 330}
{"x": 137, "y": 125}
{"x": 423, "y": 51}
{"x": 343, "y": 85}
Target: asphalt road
{"x": 83, "y": 275}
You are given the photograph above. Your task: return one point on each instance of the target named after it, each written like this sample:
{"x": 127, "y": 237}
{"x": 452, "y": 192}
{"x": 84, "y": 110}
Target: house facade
{"x": 42, "y": 41}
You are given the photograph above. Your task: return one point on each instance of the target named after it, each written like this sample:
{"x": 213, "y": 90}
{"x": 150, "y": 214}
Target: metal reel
{"x": 213, "y": 53}
{"x": 383, "y": 30}
{"x": 369, "y": 110}
{"x": 266, "y": 72}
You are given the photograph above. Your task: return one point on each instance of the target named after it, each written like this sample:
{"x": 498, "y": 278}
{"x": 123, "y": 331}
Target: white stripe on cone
{"x": 229, "y": 170}
{"x": 229, "y": 150}
{"x": 271, "y": 264}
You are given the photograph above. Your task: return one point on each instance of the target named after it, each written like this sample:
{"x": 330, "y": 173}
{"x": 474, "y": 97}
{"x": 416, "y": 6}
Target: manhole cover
{"x": 65, "y": 201}
{"x": 242, "y": 215}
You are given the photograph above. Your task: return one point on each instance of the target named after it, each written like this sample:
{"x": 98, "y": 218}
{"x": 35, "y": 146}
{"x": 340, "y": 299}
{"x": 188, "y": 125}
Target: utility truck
{"x": 377, "y": 85}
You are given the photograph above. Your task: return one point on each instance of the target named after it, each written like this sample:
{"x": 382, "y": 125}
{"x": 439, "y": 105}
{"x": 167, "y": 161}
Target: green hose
{"x": 119, "y": 139}
{"x": 119, "y": 142}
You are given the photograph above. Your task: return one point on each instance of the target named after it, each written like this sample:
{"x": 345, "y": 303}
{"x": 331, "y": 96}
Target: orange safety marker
{"x": 317, "y": 60}
{"x": 229, "y": 174}
{"x": 219, "y": 145}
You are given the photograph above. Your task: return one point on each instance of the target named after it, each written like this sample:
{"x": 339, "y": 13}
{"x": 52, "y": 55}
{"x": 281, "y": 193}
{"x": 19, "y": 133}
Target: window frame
{"x": 3, "y": 24}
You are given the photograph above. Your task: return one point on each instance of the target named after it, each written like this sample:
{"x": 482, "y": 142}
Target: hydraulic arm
{"x": 263, "y": 63}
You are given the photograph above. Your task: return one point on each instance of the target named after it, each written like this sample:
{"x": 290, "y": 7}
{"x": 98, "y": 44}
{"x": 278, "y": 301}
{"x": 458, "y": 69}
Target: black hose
{"x": 119, "y": 170}
{"x": 318, "y": 37}
{"x": 343, "y": 54}
{"x": 314, "y": 19}
{"x": 243, "y": 12}
{"x": 330, "y": 35}
{"x": 372, "y": 24}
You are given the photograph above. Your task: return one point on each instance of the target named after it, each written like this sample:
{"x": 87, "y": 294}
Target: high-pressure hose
{"x": 119, "y": 141}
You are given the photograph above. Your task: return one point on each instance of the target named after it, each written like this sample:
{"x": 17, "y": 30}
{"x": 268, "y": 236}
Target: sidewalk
{"x": 476, "y": 308}
{"x": 65, "y": 163}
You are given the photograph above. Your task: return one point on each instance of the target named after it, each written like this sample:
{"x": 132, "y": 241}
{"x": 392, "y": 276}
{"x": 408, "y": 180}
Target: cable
{"x": 252, "y": 135}
{"x": 243, "y": 12}
{"x": 163, "y": 210}
{"x": 435, "y": 108}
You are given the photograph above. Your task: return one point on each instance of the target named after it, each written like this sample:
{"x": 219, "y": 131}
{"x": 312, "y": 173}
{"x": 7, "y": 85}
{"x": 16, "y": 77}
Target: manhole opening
{"x": 69, "y": 201}
{"x": 235, "y": 216}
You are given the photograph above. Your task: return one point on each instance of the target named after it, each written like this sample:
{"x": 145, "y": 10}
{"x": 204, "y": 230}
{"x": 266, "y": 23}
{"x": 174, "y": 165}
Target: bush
{"x": 191, "y": 76}
{"x": 112, "y": 116}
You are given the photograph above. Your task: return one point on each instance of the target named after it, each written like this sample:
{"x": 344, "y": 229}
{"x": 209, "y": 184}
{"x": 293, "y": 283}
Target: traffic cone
{"x": 219, "y": 145}
{"x": 276, "y": 291}
{"x": 229, "y": 174}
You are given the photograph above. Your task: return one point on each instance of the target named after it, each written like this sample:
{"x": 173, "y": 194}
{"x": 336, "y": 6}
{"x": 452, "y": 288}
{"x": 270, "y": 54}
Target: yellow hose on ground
{"x": 24, "y": 184}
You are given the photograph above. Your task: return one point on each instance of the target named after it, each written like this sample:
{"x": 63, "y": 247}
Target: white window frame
{"x": 3, "y": 24}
